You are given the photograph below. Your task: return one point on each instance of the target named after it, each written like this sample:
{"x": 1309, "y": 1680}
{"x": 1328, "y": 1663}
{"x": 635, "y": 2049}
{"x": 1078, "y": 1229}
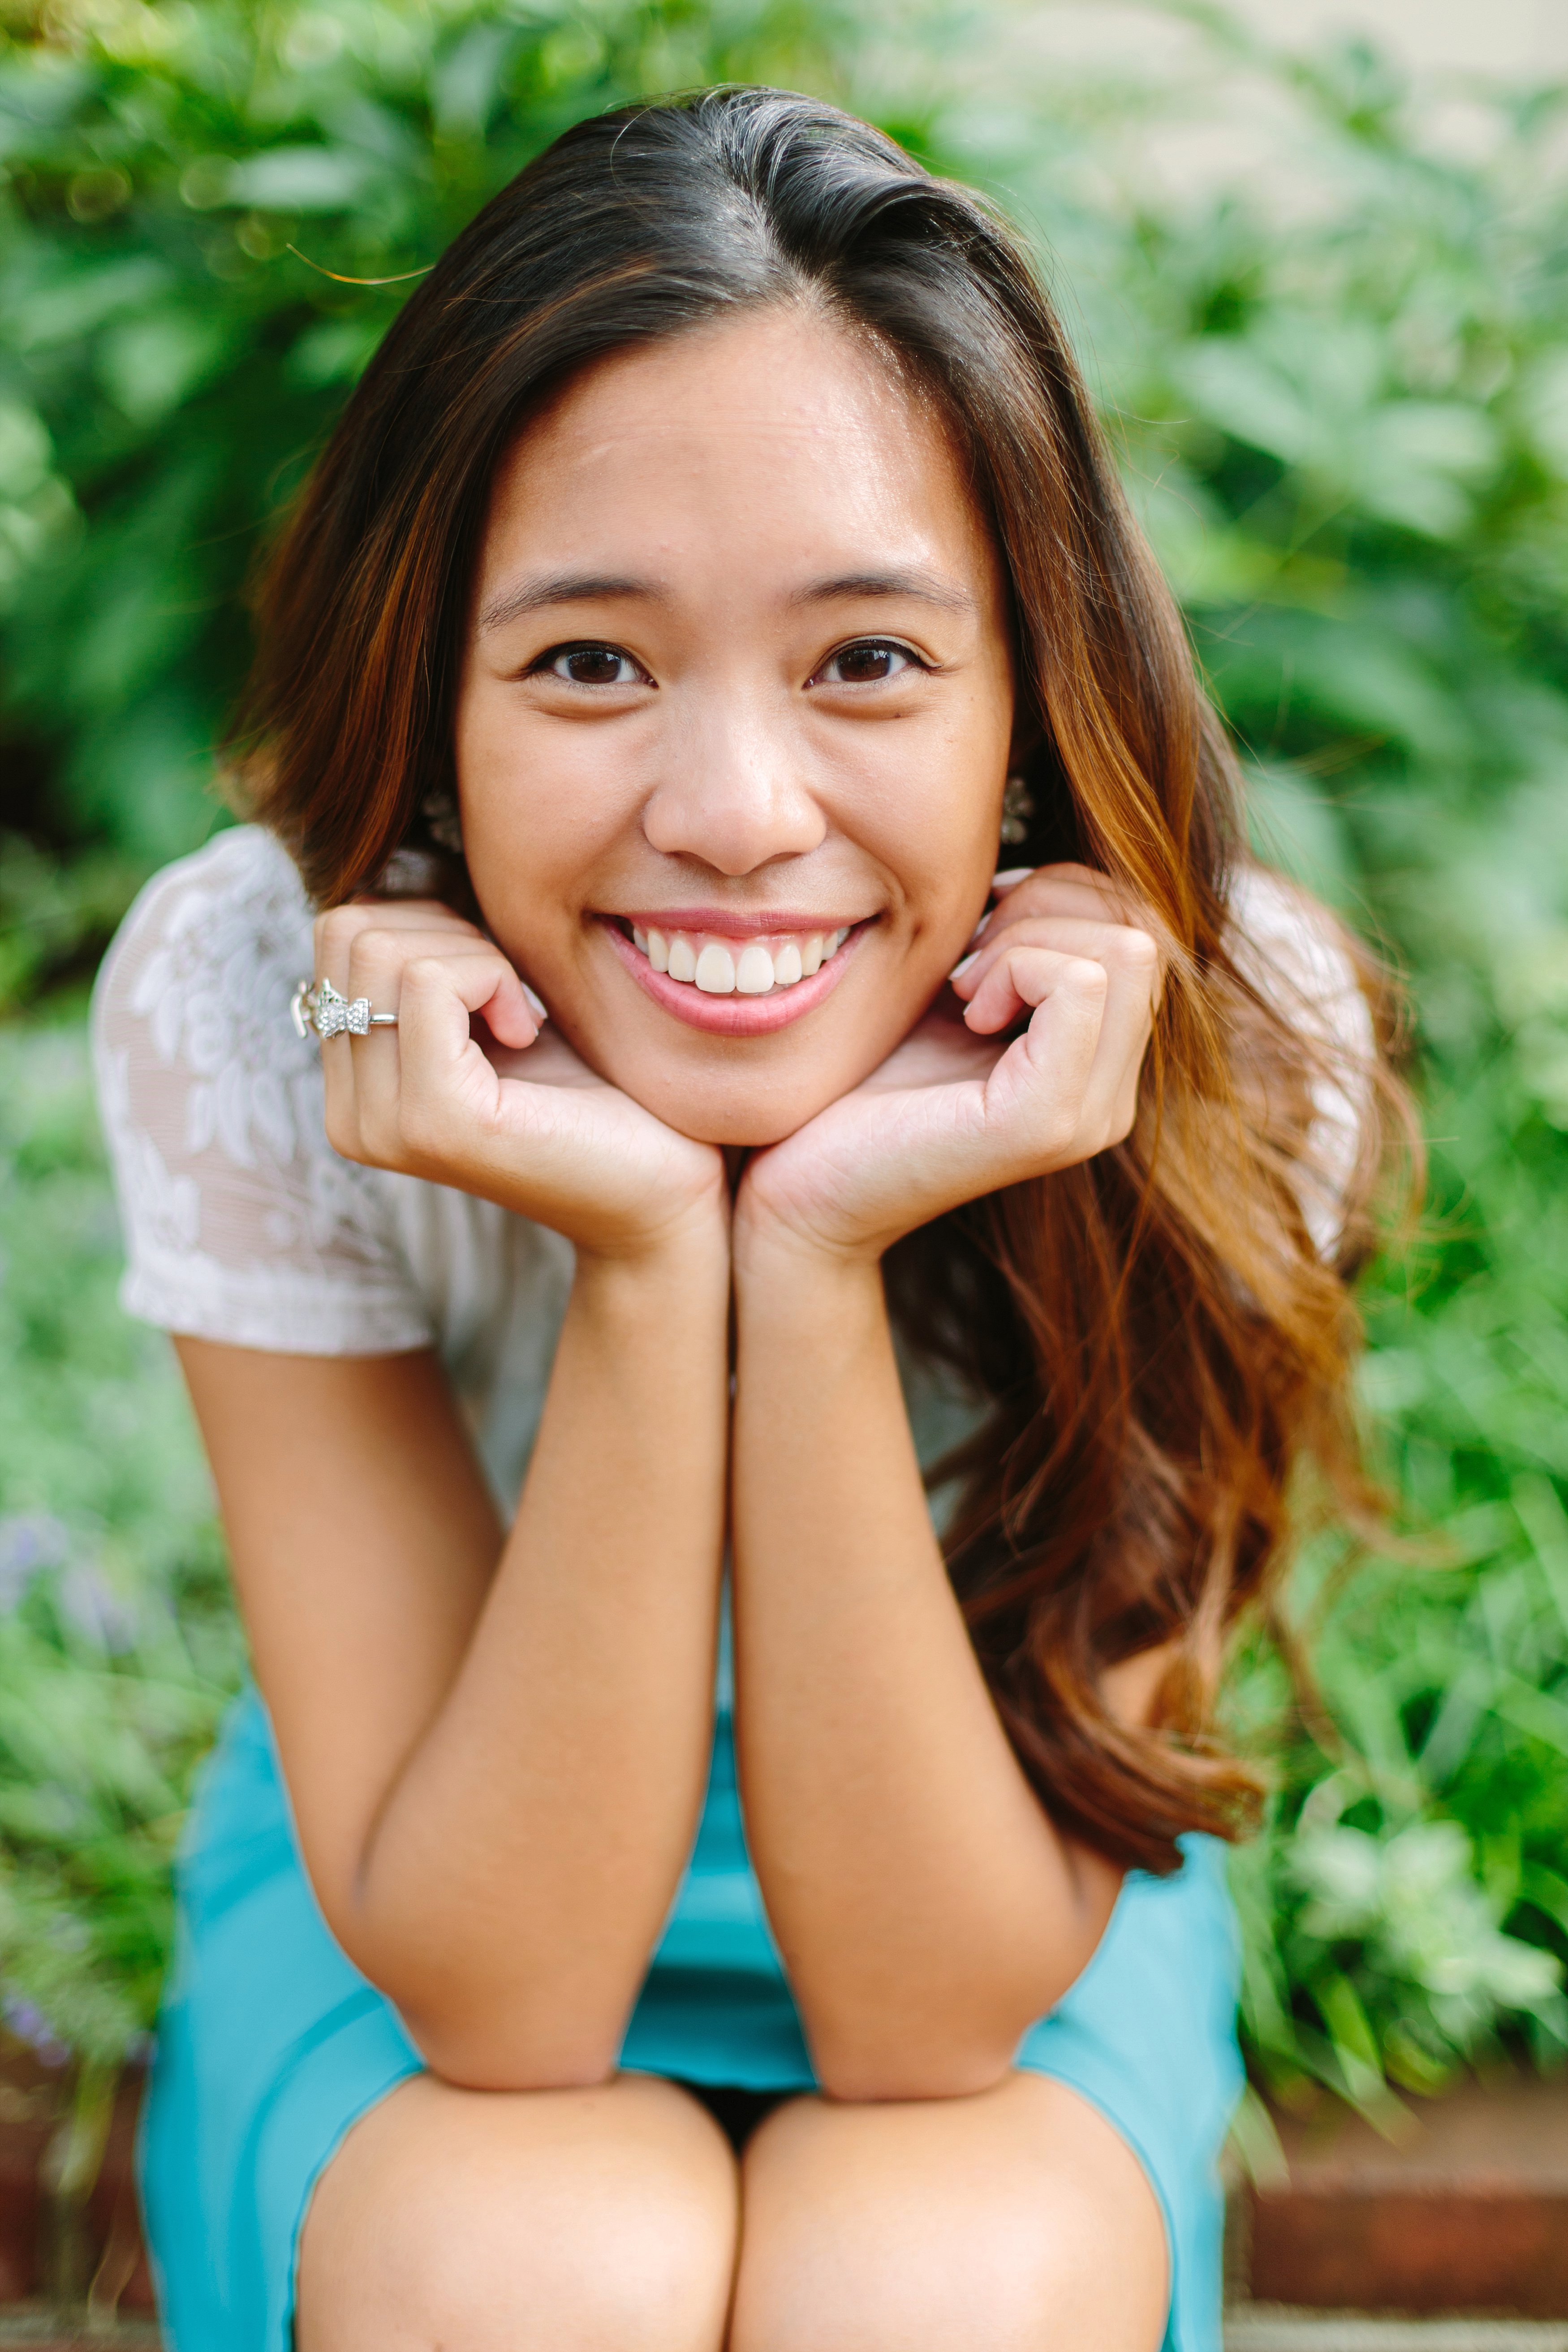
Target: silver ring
{"x": 316, "y": 1004}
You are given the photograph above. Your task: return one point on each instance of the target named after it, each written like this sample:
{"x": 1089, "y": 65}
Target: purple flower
{"x": 28, "y": 2023}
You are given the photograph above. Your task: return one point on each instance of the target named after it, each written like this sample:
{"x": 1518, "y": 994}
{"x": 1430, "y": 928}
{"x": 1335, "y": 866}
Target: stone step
{"x": 35, "y": 2327}
{"x": 1271, "y": 2327}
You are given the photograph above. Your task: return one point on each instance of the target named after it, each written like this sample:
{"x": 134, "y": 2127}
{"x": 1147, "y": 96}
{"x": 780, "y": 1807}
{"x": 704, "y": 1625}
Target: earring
{"x": 1016, "y": 810}
{"x": 441, "y": 817}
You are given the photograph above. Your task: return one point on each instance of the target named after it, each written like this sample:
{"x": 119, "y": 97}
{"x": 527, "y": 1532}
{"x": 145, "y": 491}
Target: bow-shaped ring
{"x": 317, "y": 1006}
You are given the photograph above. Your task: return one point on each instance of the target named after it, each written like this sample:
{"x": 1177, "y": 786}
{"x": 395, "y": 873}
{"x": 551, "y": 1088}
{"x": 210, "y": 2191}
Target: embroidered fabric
{"x": 242, "y": 1224}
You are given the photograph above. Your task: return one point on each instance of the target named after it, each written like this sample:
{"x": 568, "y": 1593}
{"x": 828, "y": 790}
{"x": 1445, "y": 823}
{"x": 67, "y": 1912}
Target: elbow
{"x": 863, "y": 2078}
{"x": 527, "y": 2027}
{"x": 956, "y": 2042}
{"x": 472, "y": 2053}
{"x": 871, "y": 2069}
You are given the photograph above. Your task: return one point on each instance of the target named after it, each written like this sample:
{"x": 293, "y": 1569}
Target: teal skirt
{"x": 271, "y": 2044}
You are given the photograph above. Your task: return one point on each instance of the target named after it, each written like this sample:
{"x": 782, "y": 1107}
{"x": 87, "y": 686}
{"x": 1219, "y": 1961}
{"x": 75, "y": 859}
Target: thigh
{"x": 1018, "y": 2221}
{"x": 580, "y": 2221}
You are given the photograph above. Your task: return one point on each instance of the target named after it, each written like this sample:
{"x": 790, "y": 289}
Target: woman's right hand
{"x": 520, "y": 1120}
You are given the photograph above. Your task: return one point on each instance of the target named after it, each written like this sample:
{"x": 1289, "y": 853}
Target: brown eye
{"x": 592, "y": 666}
{"x": 868, "y": 662}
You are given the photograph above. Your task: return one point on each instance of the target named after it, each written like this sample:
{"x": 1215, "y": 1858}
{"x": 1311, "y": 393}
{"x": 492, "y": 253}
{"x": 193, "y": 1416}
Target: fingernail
{"x": 535, "y": 1003}
{"x": 1010, "y": 878}
{"x": 962, "y": 966}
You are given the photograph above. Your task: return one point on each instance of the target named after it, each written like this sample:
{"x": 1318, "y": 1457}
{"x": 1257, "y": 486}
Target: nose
{"x": 735, "y": 797}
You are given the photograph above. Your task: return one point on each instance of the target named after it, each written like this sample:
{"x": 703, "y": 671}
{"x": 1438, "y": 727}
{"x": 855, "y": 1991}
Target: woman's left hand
{"x": 955, "y": 1112}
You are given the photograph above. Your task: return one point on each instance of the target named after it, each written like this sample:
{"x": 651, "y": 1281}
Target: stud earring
{"x": 1016, "y": 810}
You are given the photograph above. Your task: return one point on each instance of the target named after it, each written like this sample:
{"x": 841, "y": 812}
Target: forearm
{"x": 514, "y": 1883}
{"x": 925, "y": 1904}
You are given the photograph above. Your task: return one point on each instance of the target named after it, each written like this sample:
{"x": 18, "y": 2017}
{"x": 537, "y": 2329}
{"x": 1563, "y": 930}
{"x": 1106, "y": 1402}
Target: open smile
{"x": 734, "y": 981}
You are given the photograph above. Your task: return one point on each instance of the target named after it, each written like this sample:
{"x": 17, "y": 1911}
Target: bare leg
{"x": 592, "y": 2220}
{"x": 1018, "y": 2221}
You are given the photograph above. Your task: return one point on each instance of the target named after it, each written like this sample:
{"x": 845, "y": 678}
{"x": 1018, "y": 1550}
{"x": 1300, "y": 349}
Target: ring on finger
{"x": 316, "y": 1004}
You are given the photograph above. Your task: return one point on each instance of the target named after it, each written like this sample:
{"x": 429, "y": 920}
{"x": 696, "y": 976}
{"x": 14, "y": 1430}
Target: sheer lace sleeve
{"x": 241, "y": 1223}
{"x": 1291, "y": 952}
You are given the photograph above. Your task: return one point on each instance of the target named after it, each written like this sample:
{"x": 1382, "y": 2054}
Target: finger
{"x": 984, "y": 980}
{"x": 1068, "y": 891}
{"x": 393, "y": 1065}
{"x": 336, "y": 930}
{"x": 1069, "y": 1085}
{"x": 1065, "y": 873}
{"x": 1037, "y": 1090}
{"x": 1108, "y": 1101}
{"x": 1110, "y": 1096}
{"x": 378, "y": 953}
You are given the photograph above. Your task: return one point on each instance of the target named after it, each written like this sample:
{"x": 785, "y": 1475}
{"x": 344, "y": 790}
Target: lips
{"x": 730, "y": 982}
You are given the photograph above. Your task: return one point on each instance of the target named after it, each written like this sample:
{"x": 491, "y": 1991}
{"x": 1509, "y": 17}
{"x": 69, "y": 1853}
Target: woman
{"x": 717, "y": 562}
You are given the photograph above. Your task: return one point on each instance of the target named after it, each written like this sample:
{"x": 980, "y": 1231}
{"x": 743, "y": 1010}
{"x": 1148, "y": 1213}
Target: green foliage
{"x": 1343, "y": 410}
{"x": 118, "y": 1647}
{"x": 168, "y": 365}
{"x": 1347, "y": 427}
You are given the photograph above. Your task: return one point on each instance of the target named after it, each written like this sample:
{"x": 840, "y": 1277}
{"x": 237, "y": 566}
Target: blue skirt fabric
{"x": 271, "y": 2044}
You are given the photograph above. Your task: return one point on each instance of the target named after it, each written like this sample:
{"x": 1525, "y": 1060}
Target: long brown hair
{"x": 1160, "y": 1340}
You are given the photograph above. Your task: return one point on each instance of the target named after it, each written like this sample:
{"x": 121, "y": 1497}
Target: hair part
{"x": 1160, "y": 1341}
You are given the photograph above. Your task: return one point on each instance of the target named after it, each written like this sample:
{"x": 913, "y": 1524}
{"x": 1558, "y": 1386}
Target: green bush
{"x": 1345, "y": 416}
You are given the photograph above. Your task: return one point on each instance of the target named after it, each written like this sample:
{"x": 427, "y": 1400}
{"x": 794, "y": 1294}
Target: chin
{"x": 747, "y": 1114}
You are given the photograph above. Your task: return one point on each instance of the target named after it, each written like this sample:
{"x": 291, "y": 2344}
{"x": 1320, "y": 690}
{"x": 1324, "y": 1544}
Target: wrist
{"x": 765, "y": 1242}
{"x": 686, "y": 1260}
{"x": 783, "y": 1278}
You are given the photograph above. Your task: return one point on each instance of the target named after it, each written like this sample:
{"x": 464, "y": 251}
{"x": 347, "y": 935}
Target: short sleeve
{"x": 241, "y": 1223}
{"x": 1292, "y": 952}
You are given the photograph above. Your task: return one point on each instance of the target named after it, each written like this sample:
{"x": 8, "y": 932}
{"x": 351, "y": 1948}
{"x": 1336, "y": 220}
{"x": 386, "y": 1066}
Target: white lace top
{"x": 243, "y": 1224}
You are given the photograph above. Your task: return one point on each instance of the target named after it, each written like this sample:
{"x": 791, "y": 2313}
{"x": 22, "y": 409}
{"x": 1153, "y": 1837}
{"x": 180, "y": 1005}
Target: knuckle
{"x": 423, "y": 973}
{"x": 374, "y": 947}
{"x": 1140, "y": 949}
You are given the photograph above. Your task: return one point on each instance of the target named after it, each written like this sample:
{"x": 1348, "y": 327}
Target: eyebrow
{"x": 561, "y": 588}
{"x": 601, "y": 587}
{"x": 929, "y": 587}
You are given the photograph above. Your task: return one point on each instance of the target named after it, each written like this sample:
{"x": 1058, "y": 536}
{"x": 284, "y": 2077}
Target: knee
{"x": 637, "y": 2271}
{"x": 488, "y": 2255}
{"x": 999, "y": 2282}
{"x": 863, "y": 2292}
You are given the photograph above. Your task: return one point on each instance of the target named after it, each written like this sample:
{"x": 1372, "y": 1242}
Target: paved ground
{"x": 1265, "y": 2327}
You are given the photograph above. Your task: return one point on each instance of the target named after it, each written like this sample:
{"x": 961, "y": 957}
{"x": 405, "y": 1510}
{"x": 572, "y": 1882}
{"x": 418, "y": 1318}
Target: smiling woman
{"x": 779, "y": 669}
{"x": 661, "y": 1893}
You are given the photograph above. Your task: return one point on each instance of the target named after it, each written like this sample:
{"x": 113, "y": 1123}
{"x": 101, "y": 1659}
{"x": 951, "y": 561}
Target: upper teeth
{"x": 725, "y": 968}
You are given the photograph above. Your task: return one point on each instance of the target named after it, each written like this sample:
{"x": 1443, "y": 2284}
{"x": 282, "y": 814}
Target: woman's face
{"x": 734, "y": 719}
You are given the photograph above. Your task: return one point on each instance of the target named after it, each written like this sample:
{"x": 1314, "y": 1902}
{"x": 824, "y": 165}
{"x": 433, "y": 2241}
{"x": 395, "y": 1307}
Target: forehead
{"x": 779, "y": 436}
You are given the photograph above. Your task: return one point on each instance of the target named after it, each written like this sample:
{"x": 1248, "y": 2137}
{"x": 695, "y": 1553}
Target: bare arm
{"x": 495, "y": 1749}
{"x": 496, "y": 1752}
{"x": 926, "y": 1903}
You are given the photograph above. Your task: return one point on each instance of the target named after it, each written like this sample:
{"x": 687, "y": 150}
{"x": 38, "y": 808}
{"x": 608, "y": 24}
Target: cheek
{"x": 540, "y": 806}
{"x": 939, "y": 836}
